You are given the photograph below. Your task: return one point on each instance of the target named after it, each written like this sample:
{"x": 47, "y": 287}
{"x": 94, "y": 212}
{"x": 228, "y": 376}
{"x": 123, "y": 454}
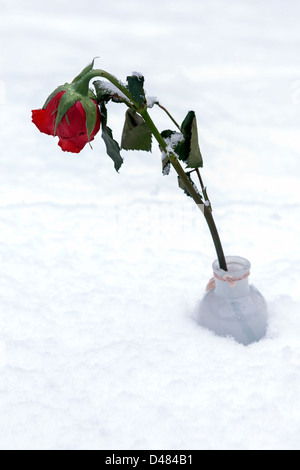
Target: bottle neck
{"x": 231, "y": 288}
{"x": 233, "y": 283}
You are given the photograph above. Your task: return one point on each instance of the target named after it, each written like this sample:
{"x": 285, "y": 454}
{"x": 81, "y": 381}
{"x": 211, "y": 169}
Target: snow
{"x": 101, "y": 271}
{"x": 2, "y": 92}
{"x": 138, "y": 75}
{"x": 173, "y": 140}
{"x": 110, "y": 88}
{"x": 151, "y": 101}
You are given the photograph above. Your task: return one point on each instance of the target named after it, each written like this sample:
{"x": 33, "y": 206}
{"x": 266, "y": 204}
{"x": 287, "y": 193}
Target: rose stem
{"x": 206, "y": 210}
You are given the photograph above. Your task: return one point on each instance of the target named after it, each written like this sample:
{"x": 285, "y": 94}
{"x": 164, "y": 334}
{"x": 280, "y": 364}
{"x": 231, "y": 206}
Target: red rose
{"x": 71, "y": 128}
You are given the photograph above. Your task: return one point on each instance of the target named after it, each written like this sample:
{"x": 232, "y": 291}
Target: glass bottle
{"x": 232, "y": 307}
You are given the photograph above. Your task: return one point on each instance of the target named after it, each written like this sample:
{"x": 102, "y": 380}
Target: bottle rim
{"x": 238, "y": 268}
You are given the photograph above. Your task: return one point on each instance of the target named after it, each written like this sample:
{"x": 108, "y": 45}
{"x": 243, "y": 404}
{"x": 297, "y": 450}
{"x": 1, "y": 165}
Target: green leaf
{"x": 57, "y": 90}
{"x": 92, "y": 95}
{"x": 136, "y": 88}
{"x": 195, "y": 158}
{"x": 102, "y": 92}
{"x": 112, "y": 147}
{"x": 188, "y": 150}
{"x": 166, "y": 134}
{"x": 166, "y": 166}
{"x": 87, "y": 69}
{"x": 66, "y": 102}
{"x": 136, "y": 133}
{"x": 90, "y": 109}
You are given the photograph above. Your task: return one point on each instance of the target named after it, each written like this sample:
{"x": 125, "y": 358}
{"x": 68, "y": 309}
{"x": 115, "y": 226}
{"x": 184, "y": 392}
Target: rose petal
{"x": 44, "y": 119}
{"x": 74, "y": 145}
{"x": 71, "y": 130}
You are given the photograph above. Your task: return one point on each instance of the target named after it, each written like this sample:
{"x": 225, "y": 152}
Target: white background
{"x": 101, "y": 271}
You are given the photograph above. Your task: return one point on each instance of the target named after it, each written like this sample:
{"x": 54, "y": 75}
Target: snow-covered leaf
{"x": 136, "y": 88}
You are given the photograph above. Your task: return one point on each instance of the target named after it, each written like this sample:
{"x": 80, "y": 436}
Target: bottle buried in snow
{"x": 232, "y": 307}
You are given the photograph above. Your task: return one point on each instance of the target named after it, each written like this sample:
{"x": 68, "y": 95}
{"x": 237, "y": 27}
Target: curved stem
{"x": 215, "y": 236}
{"x": 206, "y": 210}
{"x": 102, "y": 73}
{"x": 173, "y": 159}
{"x": 190, "y": 188}
{"x": 170, "y": 116}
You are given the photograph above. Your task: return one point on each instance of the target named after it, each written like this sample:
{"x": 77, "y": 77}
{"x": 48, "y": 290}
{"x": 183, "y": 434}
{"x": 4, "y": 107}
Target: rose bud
{"x": 71, "y": 113}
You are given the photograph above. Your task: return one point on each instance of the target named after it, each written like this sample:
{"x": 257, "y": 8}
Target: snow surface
{"x": 101, "y": 272}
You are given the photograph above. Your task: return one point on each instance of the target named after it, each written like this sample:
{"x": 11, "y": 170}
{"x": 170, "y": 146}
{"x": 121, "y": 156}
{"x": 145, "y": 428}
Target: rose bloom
{"x": 71, "y": 130}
